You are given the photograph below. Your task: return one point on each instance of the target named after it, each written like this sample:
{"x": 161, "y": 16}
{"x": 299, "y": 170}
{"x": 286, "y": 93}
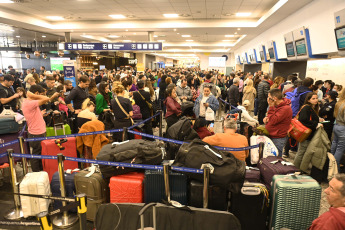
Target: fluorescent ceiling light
{"x": 243, "y": 14}
{"x": 43, "y": 36}
{"x": 186, "y": 36}
{"x": 161, "y": 41}
{"x": 113, "y": 36}
{"x": 55, "y": 18}
{"x": 155, "y": 36}
{"x": 126, "y": 40}
{"x": 238, "y": 28}
{"x": 6, "y": 1}
{"x": 86, "y": 36}
{"x": 170, "y": 15}
{"x": 17, "y": 36}
{"x": 226, "y": 40}
{"x": 117, "y": 16}
{"x": 229, "y": 35}
{"x": 189, "y": 40}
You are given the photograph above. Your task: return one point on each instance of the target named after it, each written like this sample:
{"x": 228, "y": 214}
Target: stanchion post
{"x": 206, "y": 184}
{"x": 166, "y": 181}
{"x": 44, "y": 220}
{"x": 82, "y": 208}
{"x": 124, "y": 134}
{"x": 160, "y": 123}
{"x": 22, "y": 151}
{"x": 261, "y": 149}
{"x": 15, "y": 213}
{"x": 240, "y": 115}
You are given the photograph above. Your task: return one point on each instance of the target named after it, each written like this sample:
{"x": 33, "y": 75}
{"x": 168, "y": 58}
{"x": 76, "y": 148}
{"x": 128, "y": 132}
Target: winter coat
{"x": 279, "y": 119}
{"x": 316, "y": 153}
{"x": 212, "y": 101}
{"x": 249, "y": 94}
{"x": 263, "y": 89}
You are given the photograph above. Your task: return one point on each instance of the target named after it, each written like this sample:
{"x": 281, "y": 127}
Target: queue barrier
{"x": 228, "y": 104}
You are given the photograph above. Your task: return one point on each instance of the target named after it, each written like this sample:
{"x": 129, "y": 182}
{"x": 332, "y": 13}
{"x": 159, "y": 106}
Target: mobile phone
{"x": 211, "y": 125}
{"x": 322, "y": 122}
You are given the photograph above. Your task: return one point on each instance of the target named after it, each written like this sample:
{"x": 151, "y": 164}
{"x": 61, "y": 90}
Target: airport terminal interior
{"x": 252, "y": 80}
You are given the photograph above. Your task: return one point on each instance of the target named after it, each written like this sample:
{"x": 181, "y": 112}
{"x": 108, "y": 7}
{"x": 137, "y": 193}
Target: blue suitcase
{"x": 154, "y": 190}
{"x": 69, "y": 186}
{"x": 8, "y": 125}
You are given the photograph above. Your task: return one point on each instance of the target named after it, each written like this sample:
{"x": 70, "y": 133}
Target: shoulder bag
{"x": 124, "y": 111}
{"x": 148, "y": 103}
{"x": 297, "y": 130}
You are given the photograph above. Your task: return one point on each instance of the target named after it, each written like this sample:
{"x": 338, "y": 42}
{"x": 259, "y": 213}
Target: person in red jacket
{"x": 278, "y": 118}
{"x": 334, "y": 218}
{"x": 200, "y": 126}
{"x": 173, "y": 107}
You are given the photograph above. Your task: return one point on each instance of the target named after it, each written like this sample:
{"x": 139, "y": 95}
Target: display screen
{"x": 290, "y": 50}
{"x": 251, "y": 58}
{"x": 340, "y": 37}
{"x": 271, "y": 53}
{"x": 216, "y": 61}
{"x": 301, "y": 48}
{"x": 262, "y": 55}
{"x": 56, "y": 63}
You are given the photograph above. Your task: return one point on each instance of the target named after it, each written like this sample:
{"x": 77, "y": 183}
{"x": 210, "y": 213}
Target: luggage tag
{"x": 208, "y": 165}
{"x": 92, "y": 169}
{"x": 252, "y": 168}
{"x": 208, "y": 148}
{"x": 286, "y": 163}
{"x": 119, "y": 143}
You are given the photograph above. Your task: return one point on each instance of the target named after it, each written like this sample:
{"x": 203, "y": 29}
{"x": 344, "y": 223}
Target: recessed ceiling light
{"x": 6, "y": 1}
{"x": 86, "y": 36}
{"x": 170, "y": 15}
{"x": 160, "y": 40}
{"x": 134, "y": 33}
{"x": 229, "y": 35}
{"x": 238, "y": 28}
{"x": 178, "y": 33}
{"x": 189, "y": 40}
{"x": 226, "y": 40}
{"x": 235, "y": 32}
{"x": 174, "y": 29}
{"x": 126, "y": 30}
{"x": 155, "y": 36}
{"x": 126, "y": 40}
{"x": 113, "y": 36}
{"x": 117, "y": 16}
{"x": 243, "y": 14}
{"x": 43, "y": 36}
{"x": 55, "y": 18}
{"x": 17, "y": 36}
{"x": 186, "y": 36}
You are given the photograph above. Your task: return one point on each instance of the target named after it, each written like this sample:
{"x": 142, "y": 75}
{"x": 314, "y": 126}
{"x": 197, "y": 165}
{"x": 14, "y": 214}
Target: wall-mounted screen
{"x": 340, "y": 37}
{"x": 216, "y": 61}
{"x": 262, "y": 56}
{"x": 56, "y": 63}
{"x": 251, "y": 58}
{"x": 301, "y": 48}
{"x": 271, "y": 53}
{"x": 290, "y": 50}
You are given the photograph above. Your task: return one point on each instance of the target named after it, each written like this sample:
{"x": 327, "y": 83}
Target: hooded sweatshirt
{"x": 333, "y": 219}
{"x": 279, "y": 119}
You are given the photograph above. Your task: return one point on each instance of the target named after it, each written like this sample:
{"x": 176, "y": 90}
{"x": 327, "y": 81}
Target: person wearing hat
{"x": 7, "y": 95}
{"x": 278, "y": 118}
{"x": 327, "y": 112}
{"x": 245, "y": 116}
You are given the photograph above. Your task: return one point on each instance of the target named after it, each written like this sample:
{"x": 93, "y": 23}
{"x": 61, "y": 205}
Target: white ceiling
{"x": 207, "y": 21}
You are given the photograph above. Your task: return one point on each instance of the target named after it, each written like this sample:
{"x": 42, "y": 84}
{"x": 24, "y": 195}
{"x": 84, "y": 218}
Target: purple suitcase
{"x": 268, "y": 169}
{"x": 253, "y": 175}
{"x": 16, "y": 149}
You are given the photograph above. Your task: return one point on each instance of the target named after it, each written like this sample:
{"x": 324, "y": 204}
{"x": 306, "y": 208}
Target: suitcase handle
{"x": 143, "y": 210}
{"x": 250, "y": 191}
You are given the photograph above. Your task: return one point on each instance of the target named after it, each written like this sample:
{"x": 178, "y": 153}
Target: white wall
{"x": 318, "y": 16}
{"x": 204, "y": 63}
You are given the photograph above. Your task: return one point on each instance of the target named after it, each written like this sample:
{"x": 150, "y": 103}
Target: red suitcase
{"x": 127, "y": 188}
{"x": 49, "y": 147}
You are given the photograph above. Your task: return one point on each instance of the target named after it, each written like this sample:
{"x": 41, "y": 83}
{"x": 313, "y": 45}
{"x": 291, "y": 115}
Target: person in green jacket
{"x": 103, "y": 98}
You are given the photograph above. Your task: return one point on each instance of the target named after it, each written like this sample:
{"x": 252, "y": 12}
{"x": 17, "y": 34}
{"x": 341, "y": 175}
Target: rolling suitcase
{"x": 252, "y": 175}
{"x": 8, "y": 125}
{"x": 155, "y": 189}
{"x": 217, "y": 197}
{"x": 69, "y": 188}
{"x": 95, "y": 188}
{"x": 271, "y": 166}
{"x": 58, "y": 130}
{"x": 250, "y": 206}
{"x": 35, "y": 183}
{"x": 50, "y": 147}
{"x": 295, "y": 202}
{"x": 127, "y": 188}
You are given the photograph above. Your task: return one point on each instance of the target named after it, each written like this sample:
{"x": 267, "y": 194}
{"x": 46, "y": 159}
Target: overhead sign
{"x": 114, "y": 46}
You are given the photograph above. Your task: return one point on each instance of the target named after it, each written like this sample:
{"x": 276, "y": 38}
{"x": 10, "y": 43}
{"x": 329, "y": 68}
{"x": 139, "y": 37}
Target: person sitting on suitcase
{"x": 34, "y": 119}
{"x": 278, "y": 118}
{"x": 230, "y": 139}
{"x": 334, "y": 218}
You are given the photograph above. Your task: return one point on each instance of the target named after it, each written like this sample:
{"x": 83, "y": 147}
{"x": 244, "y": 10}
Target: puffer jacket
{"x": 316, "y": 153}
{"x": 263, "y": 89}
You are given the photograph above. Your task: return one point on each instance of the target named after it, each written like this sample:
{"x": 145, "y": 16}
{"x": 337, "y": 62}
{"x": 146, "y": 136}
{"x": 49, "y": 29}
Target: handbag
{"x": 124, "y": 111}
{"x": 297, "y": 130}
{"x": 209, "y": 115}
{"x": 148, "y": 103}
{"x": 136, "y": 113}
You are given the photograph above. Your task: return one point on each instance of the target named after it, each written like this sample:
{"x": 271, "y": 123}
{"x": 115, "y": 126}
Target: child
{"x": 62, "y": 105}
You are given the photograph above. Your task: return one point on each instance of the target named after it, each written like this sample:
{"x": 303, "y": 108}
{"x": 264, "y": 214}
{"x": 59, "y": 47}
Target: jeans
{"x": 280, "y": 143}
{"x": 338, "y": 143}
{"x": 302, "y": 148}
{"x": 36, "y": 164}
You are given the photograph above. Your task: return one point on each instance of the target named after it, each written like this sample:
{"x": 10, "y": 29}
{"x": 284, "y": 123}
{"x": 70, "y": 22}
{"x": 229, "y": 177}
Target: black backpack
{"x": 229, "y": 172}
{"x": 181, "y": 131}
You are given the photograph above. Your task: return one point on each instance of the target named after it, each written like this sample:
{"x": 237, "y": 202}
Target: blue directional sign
{"x": 145, "y": 46}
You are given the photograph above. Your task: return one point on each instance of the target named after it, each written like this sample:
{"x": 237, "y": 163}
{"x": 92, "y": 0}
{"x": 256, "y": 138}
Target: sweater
{"x": 279, "y": 119}
{"x": 101, "y": 103}
{"x": 333, "y": 219}
{"x": 172, "y": 106}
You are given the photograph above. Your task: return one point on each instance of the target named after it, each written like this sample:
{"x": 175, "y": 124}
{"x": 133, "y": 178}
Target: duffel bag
{"x": 229, "y": 172}
{"x": 133, "y": 151}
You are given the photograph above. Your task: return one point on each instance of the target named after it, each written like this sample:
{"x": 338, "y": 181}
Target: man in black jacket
{"x": 263, "y": 88}
{"x": 234, "y": 94}
{"x": 142, "y": 99}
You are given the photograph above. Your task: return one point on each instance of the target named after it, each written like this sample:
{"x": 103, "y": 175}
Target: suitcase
{"x": 8, "y": 125}
{"x": 126, "y": 216}
{"x": 217, "y": 197}
{"x": 50, "y": 148}
{"x": 95, "y": 189}
{"x": 253, "y": 175}
{"x": 36, "y": 183}
{"x": 268, "y": 169}
{"x": 155, "y": 189}
{"x": 69, "y": 188}
{"x": 127, "y": 188}
{"x": 295, "y": 202}
{"x": 250, "y": 206}
{"x": 16, "y": 147}
{"x": 57, "y": 130}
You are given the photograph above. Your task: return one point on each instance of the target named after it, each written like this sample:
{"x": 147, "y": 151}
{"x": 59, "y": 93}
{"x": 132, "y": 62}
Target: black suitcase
{"x": 217, "y": 197}
{"x": 155, "y": 190}
{"x": 250, "y": 206}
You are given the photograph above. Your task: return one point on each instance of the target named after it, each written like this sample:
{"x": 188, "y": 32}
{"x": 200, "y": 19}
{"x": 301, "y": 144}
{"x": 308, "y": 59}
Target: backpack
{"x": 295, "y": 97}
{"x": 137, "y": 113}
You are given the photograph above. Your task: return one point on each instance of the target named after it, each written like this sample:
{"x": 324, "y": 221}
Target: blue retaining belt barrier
{"x": 9, "y": 143}
{"x": 142, "y": 122}
{"x": 228, "y": 103}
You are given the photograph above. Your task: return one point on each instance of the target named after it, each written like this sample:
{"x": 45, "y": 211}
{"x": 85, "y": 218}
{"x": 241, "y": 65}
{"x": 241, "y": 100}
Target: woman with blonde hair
{"x": 277, "y": 82}
{"x": 87, "y": 113}
{"x": 249, "y": 93}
